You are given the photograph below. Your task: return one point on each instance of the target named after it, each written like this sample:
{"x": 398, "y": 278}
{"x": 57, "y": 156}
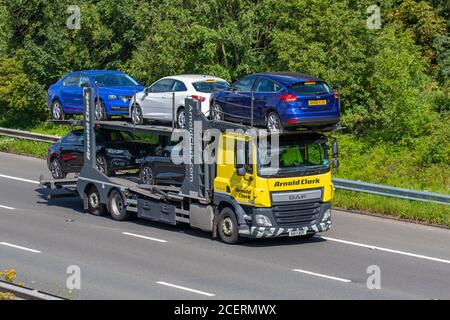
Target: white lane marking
{"x": 19, "y": 179}
{"x": 186, "y": 289}
{"x": 143, "y": 237}
{"x": 322, "y": 275}
{"x": 387, "y": 250}
{"x": 19, "y": 247}
{"x": 5, "y": 207}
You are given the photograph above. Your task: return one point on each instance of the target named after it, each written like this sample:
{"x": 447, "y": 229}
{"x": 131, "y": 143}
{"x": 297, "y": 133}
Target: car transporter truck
{"x": 231, "y": 199}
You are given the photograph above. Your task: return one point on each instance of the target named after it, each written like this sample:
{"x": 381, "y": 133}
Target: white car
{"x": 158, "y": 101}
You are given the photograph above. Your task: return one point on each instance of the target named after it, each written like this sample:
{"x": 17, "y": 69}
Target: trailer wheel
{"x": 117, "y": 206}
{"x": 95, "y": 207}
{"x": 228, "y": 226}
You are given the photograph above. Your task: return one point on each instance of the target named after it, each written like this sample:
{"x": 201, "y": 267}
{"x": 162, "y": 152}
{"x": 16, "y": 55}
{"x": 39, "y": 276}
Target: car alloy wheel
{"x": 57, "y": 111}
{"x": 101, "y": 164}
{"x": 274, "y": 123}
{"x": 56, "y": 170}
{"x": 217, "y": 112}
{"x": 181, "y": 118}
{"x": 147, "y": 175}
{"x": 100, "y": 113}
{"x": 136, "y": 115}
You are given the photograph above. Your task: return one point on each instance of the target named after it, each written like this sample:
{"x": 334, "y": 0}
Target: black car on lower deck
{"x": 159, "y": 169}
{"x": 116, "y": 150}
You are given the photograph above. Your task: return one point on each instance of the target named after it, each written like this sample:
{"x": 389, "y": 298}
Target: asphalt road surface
{"x": 42, "y": 238}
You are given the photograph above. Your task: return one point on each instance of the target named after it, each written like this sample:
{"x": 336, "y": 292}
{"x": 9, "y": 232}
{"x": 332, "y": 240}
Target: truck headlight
{"x": 112, "y": 97}
{"x": 262, "y": 220}
{"x": 326, "y": 215}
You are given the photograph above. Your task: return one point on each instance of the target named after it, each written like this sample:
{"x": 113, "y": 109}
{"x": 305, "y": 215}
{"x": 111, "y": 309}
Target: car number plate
{"x": 296, "y": 233}
{"x": 317, "y": 102}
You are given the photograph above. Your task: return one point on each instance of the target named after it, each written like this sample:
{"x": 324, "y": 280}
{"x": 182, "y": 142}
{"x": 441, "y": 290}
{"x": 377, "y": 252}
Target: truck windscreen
{"x": 294, "y": 159}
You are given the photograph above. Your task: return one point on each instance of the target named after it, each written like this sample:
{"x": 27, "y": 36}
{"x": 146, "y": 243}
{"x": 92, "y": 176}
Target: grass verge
{"x": 24, "y": 147}
{"x": 413, "y": 211}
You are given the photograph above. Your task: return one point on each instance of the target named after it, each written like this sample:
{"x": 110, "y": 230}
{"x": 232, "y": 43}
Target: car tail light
{"x": 292, "y": 121}
{"x": 199, "y": 98}
{"x": 336, "y": 95}
{"x": 288, "y": 97}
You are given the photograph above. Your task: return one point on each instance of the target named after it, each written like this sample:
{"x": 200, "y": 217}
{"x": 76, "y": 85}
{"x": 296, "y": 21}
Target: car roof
{"x": 288, "y": 78}
{"x": 95, "y": 72}
{"x": 194, "y": 77}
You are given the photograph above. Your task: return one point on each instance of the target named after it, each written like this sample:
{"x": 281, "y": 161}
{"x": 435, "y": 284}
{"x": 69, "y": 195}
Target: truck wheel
{"x": 117, "y": 207}
{"x": 56, "y": 169}
{"x": 95, "y": 207}
{"x": 228, "y": 226}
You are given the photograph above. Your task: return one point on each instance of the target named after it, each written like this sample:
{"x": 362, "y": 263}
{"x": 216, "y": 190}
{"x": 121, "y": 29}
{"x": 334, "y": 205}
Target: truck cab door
{"x": 241, "y": 174}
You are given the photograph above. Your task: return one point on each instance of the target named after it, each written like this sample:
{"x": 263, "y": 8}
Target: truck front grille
{"x": 297, "y": 215}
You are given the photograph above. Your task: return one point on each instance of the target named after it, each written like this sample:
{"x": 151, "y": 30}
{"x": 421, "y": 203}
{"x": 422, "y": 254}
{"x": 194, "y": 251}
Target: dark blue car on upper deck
{"x": 113, "y": 91}
{"x": 280, "y": 100}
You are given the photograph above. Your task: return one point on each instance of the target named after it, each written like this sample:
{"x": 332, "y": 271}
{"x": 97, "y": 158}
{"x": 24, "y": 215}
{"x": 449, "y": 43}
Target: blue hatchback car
{"x": 113, "y": 92}
{"x": 280, "y": 100}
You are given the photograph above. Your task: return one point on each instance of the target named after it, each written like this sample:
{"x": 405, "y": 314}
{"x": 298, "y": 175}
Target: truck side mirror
{"x": 241, "y": 172}
{"x": 335, "y": 149}
{"x": 335, "y": 163}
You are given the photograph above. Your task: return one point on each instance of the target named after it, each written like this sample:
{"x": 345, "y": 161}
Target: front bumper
{"x": 274, "y": 232}
{"x": 117, "y": 107}
{"x": 320, "y": 223}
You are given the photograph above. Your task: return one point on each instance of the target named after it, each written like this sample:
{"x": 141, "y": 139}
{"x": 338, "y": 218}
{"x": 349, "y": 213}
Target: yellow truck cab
{"x": 258, "y": 199}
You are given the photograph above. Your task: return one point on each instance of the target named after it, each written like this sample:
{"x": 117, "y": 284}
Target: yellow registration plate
{"x": 317, "y": 102}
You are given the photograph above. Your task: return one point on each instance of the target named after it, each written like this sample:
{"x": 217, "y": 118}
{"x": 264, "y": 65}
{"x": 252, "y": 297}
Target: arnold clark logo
{"x": 297, "y": 182}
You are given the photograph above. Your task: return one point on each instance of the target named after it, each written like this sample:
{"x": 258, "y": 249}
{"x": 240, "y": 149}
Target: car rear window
{"x": 210, "y": 86}
{"x": 310, "y": 88}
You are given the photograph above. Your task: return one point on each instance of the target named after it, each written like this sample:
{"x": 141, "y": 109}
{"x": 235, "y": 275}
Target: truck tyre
{"x": 95, "y": 207}
{"x": 228, "y": 226}
{"x": 117, "y": 206}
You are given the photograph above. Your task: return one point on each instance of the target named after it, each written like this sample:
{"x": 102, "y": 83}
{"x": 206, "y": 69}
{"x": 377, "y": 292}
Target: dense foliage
{"x": 394, "y": 81}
